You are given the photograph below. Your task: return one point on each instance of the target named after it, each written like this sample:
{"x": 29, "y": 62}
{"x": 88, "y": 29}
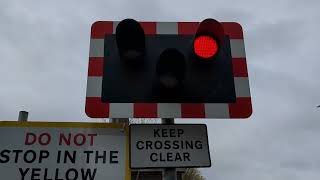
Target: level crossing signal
{"x": 153, "y": 69}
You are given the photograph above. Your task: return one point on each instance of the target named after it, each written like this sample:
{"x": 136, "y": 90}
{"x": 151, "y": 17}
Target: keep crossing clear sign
{"x": 176, "y": 145}
{"x": 63, "y": 151}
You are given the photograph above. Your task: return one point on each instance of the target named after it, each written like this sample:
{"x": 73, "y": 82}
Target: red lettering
{"x": 91, "y": 138}
{"x": 31, "y": 138}
{"x": 81, "y": 141}
{"x": 63, "y": 138}
{"x": 44, "y": 139}
{"x": 77, "y": 139}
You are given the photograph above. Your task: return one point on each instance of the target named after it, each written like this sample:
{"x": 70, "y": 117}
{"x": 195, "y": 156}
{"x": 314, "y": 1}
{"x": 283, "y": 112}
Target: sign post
{"x": 57, "y": 151}
{"x": 169, "y": 173}
{"x": 23, "y": 116}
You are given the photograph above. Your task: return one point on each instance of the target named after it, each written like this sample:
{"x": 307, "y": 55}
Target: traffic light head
{"x": 208, "y": 39}
{"x": 130, "y": 40}
{"x": 168, "y": 70}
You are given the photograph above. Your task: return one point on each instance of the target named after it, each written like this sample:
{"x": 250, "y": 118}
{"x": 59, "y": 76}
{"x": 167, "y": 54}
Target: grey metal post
{"x": 169, "y": 173}
{"x": 120, "y": 120}
{"x": 23, "y": 116}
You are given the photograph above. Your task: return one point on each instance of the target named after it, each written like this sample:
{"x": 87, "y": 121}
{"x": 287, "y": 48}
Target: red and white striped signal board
{"x": 95, "y": 108}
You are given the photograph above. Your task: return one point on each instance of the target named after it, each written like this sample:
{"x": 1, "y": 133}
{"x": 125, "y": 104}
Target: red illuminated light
{"x": 205, "y": 46}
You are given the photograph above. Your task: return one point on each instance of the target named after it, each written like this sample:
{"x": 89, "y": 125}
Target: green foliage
{"x": 192, "y": 174}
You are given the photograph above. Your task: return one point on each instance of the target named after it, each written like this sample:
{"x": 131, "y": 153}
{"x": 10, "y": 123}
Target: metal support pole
{"x": 120, "y": 120}
{"x": 169, "y": 173}
{"x": 167, "y": 121}
{"x": 23, "y": 116}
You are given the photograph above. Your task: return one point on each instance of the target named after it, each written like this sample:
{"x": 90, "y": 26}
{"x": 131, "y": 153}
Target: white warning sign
{"x": 63, "y": 151}
{"x": 176, "y": 145}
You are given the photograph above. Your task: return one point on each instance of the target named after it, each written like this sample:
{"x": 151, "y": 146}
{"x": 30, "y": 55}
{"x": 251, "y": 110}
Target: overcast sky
{"x": 44, "y": 49}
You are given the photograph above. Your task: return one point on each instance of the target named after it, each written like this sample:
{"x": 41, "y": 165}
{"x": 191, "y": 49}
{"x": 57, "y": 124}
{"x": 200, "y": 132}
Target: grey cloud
{"x": 282, "y": 38}
{"x": 43, "y": 69}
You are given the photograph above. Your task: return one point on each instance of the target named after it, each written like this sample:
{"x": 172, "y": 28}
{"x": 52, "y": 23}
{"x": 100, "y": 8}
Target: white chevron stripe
{"x": 120, "y": 110}
{"x": 237, "y": 48}
{"x": 169, "y": 110}
{"x": 242, "y": 86}
{"x": 167, "y": 28}
{"x": 94, "y": 86}
{"x": 115, "y": 24}
{"x": 213, "y": 110}
{"x": 96, "y": 48}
